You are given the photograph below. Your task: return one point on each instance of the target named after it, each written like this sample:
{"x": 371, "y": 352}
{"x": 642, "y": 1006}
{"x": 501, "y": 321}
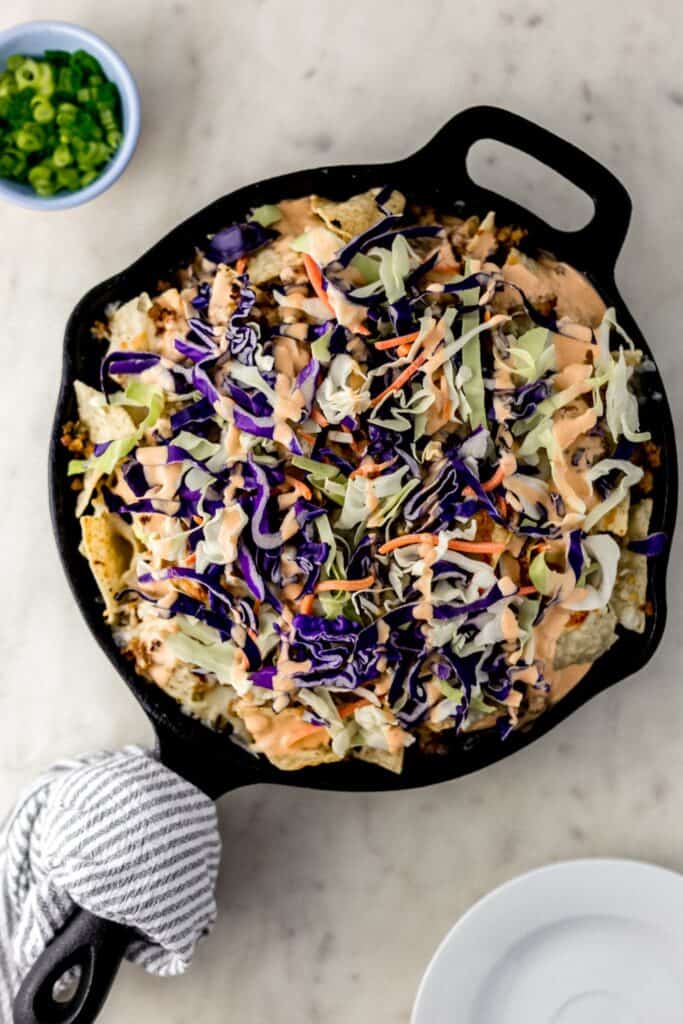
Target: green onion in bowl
{"x": 60, "y": 120}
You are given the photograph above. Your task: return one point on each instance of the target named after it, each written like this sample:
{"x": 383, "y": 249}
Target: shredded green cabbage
{"x": 320, "y": 348}
{"x": 200, "y": 645}
{"x": 622, "y": 405}
{"x": 473, "y": 386}
{"x": 394, "y": 267}
{"x": 138, "y": 394}
{"x": 266, "y": 215}
{"x": 632, "y": 474}
{"x": 532, "y": 354}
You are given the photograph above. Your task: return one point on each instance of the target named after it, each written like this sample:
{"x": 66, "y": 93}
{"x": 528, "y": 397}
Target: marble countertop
{"x": 331, "y": 904}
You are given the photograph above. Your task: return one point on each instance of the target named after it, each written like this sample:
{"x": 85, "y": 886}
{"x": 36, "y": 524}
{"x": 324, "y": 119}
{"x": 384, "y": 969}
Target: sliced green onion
{"x": 42, "y": 179}
{"x": 30, "y": 138}
{"x": 66, "y": 114}
{"x": 69, "y": 178}
{"x": 59, "y": 144}
{"x": 8, "y": 85}
{"x": 27, "y": 74}
{"x": 82, "y": 59}
{"x": 43, "y": 111}
{"x": 13, "y": 164}
{"x": 62, "y": 156}
{"x": 57, "y": 57}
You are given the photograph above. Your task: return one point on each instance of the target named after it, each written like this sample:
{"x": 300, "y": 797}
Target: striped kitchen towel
{"x": 122, "y": 836}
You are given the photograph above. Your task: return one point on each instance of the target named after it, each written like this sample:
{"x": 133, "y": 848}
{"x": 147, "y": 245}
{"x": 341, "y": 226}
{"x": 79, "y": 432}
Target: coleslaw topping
{"x": 364, "y": 475}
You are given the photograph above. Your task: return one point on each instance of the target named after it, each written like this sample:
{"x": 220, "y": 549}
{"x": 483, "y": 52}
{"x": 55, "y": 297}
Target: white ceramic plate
{"x": 582, "y": 942}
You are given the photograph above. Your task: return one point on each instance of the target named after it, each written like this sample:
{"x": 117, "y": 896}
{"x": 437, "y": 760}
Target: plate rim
{"x": 555, "y": 867}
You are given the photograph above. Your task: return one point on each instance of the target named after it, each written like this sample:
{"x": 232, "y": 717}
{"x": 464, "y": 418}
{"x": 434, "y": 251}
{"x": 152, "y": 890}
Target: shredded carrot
{"x": 318, "y": 417}
{"x": 402, "y": 379}
{"x": 300, "y": 487}
{"x": 348, "y": 585}
{"x": 403, "y": 350}
{"x": 481, "y": 547}
{"x": 346, "y": 710}
{"x": 307, "y": 437}
{"x": 191, "y": 558}
{"x": 468, "y": 492}
{"x": 405, "y": 339}
{"x": 495, "y": 480}
{"x": 198, "y": 520}
{"x": 257, "y": 606}
{"x": 306, "y": 604}
{"x": 477, "y": 547}
{"x": 523, "y": 591}
{"x": 370, "y": 468}
{"x": 241, "y": 265}
{"x": 316, "y": 278}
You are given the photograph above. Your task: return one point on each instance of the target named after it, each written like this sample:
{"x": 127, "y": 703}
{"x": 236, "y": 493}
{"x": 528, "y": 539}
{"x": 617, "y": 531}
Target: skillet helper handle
{"x": 599, "y": 243}
{"x": 96, "y": 946}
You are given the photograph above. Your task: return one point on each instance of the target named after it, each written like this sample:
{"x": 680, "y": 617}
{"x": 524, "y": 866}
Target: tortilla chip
{"x": 129, "y": 325}
{"x": 630, "y": 588}
{"x": 90, "y": 480}
{"x": 222, "y": 304}
{"x": 110, "y": 553}
{"x": 639, "y": 520}
{"x": 356, "y": 214}
{"x": 393, "y": 762}
{"x": 587, "y": 641}
{"x": 484, "y": 242}
{"x": 265, "y": 265}
{"x": 616, "y": 520}
{"x": 198, "y": 697}
{"x": 291, "y": 762}
{"x": 209, "y": 703}
{"x": 104, "y": 422}
{"x": 485, "y": 721}
{"x": 628, "y": 596}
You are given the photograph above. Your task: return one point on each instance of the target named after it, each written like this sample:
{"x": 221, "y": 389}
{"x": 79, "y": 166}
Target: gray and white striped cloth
{"x": 122, "y": 836}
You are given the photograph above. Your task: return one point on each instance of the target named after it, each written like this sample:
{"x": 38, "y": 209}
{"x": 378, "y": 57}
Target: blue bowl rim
{"x": 17, "y": 194}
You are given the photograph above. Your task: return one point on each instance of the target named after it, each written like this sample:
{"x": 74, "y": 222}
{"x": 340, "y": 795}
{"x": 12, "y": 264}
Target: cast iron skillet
{"x": 436, "y": 174}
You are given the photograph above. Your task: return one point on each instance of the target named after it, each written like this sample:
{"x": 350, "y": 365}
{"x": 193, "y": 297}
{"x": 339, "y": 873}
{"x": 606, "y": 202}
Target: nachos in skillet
{"x": 363, "y": 474}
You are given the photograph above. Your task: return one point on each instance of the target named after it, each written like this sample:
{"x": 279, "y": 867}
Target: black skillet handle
{"x": 599, "y": 242}
{"x": 91, "y": 943}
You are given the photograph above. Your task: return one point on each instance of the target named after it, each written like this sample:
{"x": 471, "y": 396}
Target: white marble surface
{"x": 330, "y": 905}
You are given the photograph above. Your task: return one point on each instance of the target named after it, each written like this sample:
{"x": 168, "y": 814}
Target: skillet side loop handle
{"x": 598, "y": 243}
{"x": 96, "y": 946}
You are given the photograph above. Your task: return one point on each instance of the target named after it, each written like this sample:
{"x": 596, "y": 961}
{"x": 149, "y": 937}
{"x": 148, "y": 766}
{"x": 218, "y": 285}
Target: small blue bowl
{"x": 33, "y": 38}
